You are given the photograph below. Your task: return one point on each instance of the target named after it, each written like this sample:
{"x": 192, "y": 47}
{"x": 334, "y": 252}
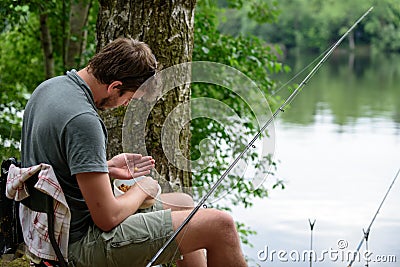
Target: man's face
{"x": 116, "y": 99}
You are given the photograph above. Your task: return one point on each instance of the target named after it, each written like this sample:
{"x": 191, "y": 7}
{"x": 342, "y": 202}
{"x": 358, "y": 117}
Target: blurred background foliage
{"x": 251, "y": 36}
{"x": 314, "y": 24}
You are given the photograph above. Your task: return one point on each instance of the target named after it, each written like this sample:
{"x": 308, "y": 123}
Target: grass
{"x": 18, "y": 262}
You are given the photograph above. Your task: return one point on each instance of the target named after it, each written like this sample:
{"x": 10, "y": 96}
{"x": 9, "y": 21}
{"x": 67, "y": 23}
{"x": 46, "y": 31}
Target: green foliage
{"x": 384, "y": 25}
{"x": 244, "y": 233}
{"x": 261, "y": 11}
{"x": 20, "y": 71}
{"x": 316, "y": 24}
{"x": 258, "y": 61}
{"x": 21, "y": 59}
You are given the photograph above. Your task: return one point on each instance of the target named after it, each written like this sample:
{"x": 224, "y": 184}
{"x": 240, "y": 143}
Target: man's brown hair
{"x": 126, "y": 60}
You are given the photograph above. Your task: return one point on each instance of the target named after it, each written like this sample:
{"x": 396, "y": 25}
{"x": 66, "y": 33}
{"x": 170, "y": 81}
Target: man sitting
{"x": 61, "y": 127}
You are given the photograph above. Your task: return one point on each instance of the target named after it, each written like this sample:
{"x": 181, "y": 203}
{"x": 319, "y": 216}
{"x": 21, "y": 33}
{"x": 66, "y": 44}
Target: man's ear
{"x": 112, "y": 86}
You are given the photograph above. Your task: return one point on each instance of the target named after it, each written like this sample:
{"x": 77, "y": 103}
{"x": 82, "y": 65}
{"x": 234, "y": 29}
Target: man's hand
{"x": 127, "y": 166}
{"x": 149, "y": 186}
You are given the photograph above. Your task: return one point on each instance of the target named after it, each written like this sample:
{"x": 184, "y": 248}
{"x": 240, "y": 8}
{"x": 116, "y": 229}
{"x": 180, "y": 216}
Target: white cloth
{"x": 34, "y": 224}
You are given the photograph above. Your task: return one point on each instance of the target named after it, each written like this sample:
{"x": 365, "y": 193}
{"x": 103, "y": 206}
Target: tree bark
{"x": 46, "y": 46}
{"x": 167, "y": 27}
{"x": 76, "y": 40}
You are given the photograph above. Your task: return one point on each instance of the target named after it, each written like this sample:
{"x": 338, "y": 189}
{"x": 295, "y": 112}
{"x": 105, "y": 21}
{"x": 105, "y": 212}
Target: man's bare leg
{"x": 194, "y": 259}
{"x": 214, "y": 231}
{"x": 177, "y": 202}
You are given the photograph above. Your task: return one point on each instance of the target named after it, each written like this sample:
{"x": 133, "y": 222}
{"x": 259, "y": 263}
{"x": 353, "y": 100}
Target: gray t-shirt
{"x": 61, "y": 127}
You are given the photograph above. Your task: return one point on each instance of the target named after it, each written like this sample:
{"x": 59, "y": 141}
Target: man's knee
{"x": 223, "y": 220}
{"x": 223, "y": 226}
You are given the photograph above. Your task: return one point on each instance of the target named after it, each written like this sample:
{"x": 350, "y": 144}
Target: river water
{"x": 338, "y": 148}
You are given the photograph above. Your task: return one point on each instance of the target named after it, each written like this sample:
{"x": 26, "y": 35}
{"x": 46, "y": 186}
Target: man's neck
{"x": 98, "y": 89}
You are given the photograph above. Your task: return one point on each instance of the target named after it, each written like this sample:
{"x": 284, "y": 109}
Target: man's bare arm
{"x": 106, "y": 210}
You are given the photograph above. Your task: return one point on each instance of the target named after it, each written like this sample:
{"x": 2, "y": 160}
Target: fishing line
{"x": 183, "y": 235}
{"x": 280, "y": 109}
{"x": 274, "y": 92}
{"x": 366, "y": 233}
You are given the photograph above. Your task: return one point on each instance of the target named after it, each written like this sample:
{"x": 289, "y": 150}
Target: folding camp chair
{"x": 39, "y": 202}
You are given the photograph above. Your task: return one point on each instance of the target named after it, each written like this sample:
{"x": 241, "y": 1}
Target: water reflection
{"x": 367, "y": 87}
{"x": 339, "y": 148}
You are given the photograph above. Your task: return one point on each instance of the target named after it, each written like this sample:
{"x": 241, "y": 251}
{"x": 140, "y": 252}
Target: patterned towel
{"x": 34, "y": 224}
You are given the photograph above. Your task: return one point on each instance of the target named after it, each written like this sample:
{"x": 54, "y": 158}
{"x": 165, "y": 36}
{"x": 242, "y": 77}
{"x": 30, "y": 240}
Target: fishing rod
{"x": 251, "y": 143}
{"x": 366, "y": 233}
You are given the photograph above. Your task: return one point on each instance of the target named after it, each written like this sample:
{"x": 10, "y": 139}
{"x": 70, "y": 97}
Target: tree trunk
{"x": 46, "y": 46}
{"x": 352, "y": 44}
{"x": 167, "y": 27}
{"x": 76, "y": 40}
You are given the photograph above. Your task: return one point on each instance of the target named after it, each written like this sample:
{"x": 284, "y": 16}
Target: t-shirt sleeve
{"x": 85, "y": 144}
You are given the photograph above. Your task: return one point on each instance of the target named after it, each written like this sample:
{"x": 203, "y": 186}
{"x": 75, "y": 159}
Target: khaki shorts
{"x": 133, "y": 243}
